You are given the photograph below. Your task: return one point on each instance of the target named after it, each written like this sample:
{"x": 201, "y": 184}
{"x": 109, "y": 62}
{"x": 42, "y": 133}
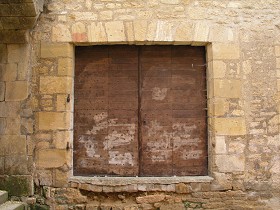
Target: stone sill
{"x": 144, "y": 184}
{"x": 120, "y": 181}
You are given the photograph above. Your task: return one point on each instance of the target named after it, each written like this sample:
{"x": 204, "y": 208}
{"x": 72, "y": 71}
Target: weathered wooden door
{"x": 140, "y": 110}
{"x": 172, "y": 111}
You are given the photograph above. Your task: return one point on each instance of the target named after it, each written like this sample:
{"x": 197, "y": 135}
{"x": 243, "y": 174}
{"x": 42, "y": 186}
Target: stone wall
{"x": 242, "y": 39}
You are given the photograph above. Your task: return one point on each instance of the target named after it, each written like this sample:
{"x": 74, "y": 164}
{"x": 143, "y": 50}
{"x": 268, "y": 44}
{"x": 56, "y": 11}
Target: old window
{"x": 140, "y": 111}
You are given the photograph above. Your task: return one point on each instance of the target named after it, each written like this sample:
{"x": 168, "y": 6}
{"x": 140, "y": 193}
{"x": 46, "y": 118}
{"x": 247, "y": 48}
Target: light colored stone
{"x": 115, "y": 31}
{"x": 220, "y": 146}
{"x": 278, "y": 63}
{"x": 50, "y": 50}
{"x": 277, "y": 51}
{"x": 170, "y": 1}
{"x": 227, "y": 88}
{"x": 97, "y": 33}
{"x": 54, "y": 121}
{"x": 79, "y": 33}
{"x": 62, "y": 104}
{"x": 60, "y": 178}
{"x": 16, "y": 91}
{"x": 221, "y": 106}
{"x": 236, "y": 147}
{"x": 50, "y": 158}
{"x": 62, "y": 139}
{"x": 247, "y": 67}
{"x": 217, "y": 69}
{"x": 53, "y": 84}
{"x": 80, "y": 16}
{"x": 9, "y": 109}
{"x": 230, "y": 126}
{"x": 61, "y": 33}
{"x": 225, "y": 51}
{"x": 140, "y": 30}
{"x": 230, "y": 163}
{"x": 222, "y": 181}
{"x": 184, "y": 32}
{"x": 221, "y": 34}
{"x": 129, "y": 31}
{"x": 201, "y": 31}
{"x": 65, "y": 67}
{"x": 106, "y": 15}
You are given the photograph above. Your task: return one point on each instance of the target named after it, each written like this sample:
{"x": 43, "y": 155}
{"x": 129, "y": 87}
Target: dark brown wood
{"x": 140, "y": 110}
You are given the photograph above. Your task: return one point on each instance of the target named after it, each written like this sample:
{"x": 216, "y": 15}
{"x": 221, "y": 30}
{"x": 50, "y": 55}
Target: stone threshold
{"x": 122, "y": 181}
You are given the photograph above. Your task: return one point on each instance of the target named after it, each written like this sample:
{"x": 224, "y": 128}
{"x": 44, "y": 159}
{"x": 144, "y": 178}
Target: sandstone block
{"x": 2, "y": 91}
{"x": 50, "y": 50}
{"x": 230, "y": 126}
{"x": 225, "y": 51}
{"x": 15, "y": 52}
{"x": 79, "y": 33}
{"x": 217, "y": 69}
{"x": 220, "y": 145}
{"x": 97, "y": 33}
{"x": 222, "y": 181}
{"x": 13, "y": 126}
{"x": 221, "y": 34}
{"x": 61, "y": 33}
{"x": 182, "y": 188}
{"x": 201, "y": 31}
{"x": 150, "y": 198}
{"x": 53, "y": 84}
{"x": 9, "y": 109}
{"x": 221, "y": 106}
{"x": 65, "y": 67}
{"x": 170, "y": 1}
{"x": 3, "y": 53}
{"x": 16, "y": 91}
{"x": 140, "y": 30}
{"x": 62, "y": 139}
{"x": 9, "y": 72}
{"x": 62, "y": 103}
{"x": 60, "y": 178}
{"x": 278, "y": 63}
{"x": 51, "y": 158}
{"x": 115, "y": 31}
{"x": 230, "y": 163}
{"x": 54, "y": 121}
{"x": 129, "y": 31}
{"x": 163, "y": 31}
{"x": 16, "y": 164}
{"x": 227, "y": 88}
{"x": 184, "y": 33}
{"x": 277, "y": 51}
{"x": 43, "y": 177}
{"x": 12, "y": 145}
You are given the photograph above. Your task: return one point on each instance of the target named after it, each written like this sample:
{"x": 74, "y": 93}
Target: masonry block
{"x": 217, "y": 69}
{"x": 12, "y": 145}
{"x": 51, "y": 158}
{"x": 50, "y": 50}
{"x": 17, "y": 185}
{"x": 230, "y": 126}
{"x": 227, "y": 88}
{"x": 230, "y": 163}
{"x": 53, "y": 84}
{"x": 54, "y": 121}
{"x": 65, "y": 67}
{"x": 97, "y": 33}
{"x": 9, "y": 72}
{"x": 224, "y": 51}
{"x": 16, "y": 91}
{"x": 2, "y": 91}
{"x": 115, "y": 31}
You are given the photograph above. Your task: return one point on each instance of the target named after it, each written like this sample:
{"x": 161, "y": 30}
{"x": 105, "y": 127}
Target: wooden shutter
{"x": 153, "y": 97}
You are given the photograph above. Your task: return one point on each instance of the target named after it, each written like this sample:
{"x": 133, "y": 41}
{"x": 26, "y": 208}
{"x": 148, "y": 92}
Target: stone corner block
{"x": 230, "y": 126}
{"x": 224, "y": 51}
{"x": 51, "y": 158}
{"x": 54, "y": 84}
{"x": 54, "y": 120}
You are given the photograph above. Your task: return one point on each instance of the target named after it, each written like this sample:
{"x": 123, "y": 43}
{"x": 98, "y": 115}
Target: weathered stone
{"x": 201, "y": 31}
{"x": 220, "y": 145}
{"x": 79, "y": 32}
{"x": 60, "y": 178}
{"x": 62, "y": 139}
{"x": 217, "y": 69}
{"x": 9, "y": 109}
{"x": 50, "y": 50}
{"x": 230, "y": 163}
{"x": 16, "y": 91}
{"x": 97, "y": 33}
{"x": 150, "y": 198}
{"x": 52, "y": 84}
{"x": 51, "y": 158}
{"x": 182, "y": 188}
{"x": 12, "y": 145}
{"x": 225, "y": 51}
{"x": 64, "y": 103}
{"x": 61, "y": 33}
{"x": 227, "y": 88}
{"x": 2, "y": 91}
{"x": 220, "y": 106}
{"x": 54, "y": 121}
{"x": 230, "y": 126}
{"x": 184, "y": 32}
{"x": 115, "y": 31}
{"x": 9, "y": 72}
{"x": 65, "y": 67}
{"x": 15, "y": 52}
{"x": 21, "y": 185}
{"x": 140, "y": 30}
